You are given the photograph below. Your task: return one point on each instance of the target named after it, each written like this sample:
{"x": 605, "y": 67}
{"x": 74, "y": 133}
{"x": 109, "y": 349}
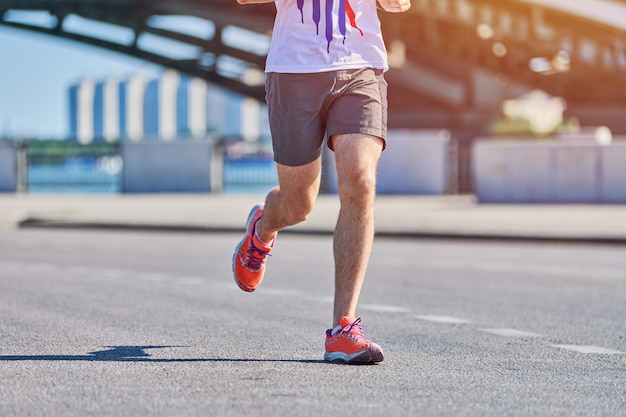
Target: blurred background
{"x": 511, "y": 100}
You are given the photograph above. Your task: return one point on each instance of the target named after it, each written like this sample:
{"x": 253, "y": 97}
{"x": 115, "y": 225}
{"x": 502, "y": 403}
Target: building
{"x": 171, "y": 107}
{"x": 82, "y": 111}
{"x": 131, "y": 99}
{"x": 106, "y": 112}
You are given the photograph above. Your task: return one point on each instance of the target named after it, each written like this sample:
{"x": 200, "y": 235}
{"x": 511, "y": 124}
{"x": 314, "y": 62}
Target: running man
{"x": 324, "y": 79}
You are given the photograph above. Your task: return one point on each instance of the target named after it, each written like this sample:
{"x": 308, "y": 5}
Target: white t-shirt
{"x": 325, "y": 35}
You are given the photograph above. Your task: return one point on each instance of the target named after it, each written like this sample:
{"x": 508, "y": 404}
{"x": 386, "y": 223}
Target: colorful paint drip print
{"x": 345, "y": 11}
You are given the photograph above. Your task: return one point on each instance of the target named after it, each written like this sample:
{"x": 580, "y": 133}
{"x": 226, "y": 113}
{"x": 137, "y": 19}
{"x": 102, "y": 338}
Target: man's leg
{"x": 356, "y": 157}
{"x": 292, "y": 201}
{"x": 286, "y": 205}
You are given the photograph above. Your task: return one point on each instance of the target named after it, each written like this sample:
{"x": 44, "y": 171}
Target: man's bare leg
{"x": 356, "y": 157}
{"x": 291, "y": 202}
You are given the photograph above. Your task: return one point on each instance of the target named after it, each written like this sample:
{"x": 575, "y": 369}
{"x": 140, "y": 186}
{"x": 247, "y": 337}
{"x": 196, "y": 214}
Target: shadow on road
{"x": 137, "y": 354}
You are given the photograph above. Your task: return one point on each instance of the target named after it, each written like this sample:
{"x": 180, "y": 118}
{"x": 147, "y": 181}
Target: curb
{"x": 37, "y": 223}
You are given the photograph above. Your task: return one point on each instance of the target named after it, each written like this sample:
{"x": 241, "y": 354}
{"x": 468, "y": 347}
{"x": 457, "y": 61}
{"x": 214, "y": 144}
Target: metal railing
{"x": 67, "y": 167}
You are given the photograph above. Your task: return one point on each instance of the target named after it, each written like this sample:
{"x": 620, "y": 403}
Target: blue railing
{"x": 98, "y": 168}
{"x": 249, "y": 174}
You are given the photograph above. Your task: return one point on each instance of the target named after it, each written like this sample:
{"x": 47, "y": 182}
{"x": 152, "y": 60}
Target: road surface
{"x": 112, "y": 323}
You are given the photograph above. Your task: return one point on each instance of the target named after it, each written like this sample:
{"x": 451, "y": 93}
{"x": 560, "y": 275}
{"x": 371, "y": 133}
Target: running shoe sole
{"x": 366, "y": 357}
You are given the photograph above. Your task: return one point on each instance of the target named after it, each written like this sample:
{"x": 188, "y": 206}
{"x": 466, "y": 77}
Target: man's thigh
{"x": 299, "y": 185}
{"x": 356, "y": 158}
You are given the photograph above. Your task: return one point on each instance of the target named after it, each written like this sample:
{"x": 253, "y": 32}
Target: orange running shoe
{"x": 250, "y": 255}
{"x": 349, "y": 345}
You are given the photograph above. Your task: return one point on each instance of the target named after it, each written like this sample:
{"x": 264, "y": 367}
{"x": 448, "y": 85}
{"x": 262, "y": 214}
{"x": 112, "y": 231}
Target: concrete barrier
{"x": 613, "y": 173}
{"x": 8, "y": 168}
{"x": 415, "y": 162}
{"x": 545, "y": 171}
{"x": 160, "y": 167}
{"x": 504, "y": 174}
{"x": 575, "y": 174}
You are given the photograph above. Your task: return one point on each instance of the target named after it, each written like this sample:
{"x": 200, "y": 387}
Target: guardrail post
{"x": 217, "y": 166}
{"x": 22, "y": 167}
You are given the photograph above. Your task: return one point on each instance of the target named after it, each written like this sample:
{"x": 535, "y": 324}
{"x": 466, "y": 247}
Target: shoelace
{"x": 357, "y": 335}
{"x": 255, "y": 257}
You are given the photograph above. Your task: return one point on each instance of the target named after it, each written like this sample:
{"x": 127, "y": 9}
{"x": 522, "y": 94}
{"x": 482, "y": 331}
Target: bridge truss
{"x": 453, "y": 60}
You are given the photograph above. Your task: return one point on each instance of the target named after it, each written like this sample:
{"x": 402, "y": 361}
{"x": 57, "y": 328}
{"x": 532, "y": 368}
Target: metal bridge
{"x": 453, "y": 61}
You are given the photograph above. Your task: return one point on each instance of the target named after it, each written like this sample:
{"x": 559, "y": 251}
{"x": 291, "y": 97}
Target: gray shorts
{"x": 305, "y": 108}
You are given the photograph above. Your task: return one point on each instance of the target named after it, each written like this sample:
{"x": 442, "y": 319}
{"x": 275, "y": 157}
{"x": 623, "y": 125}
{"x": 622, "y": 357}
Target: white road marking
{"x": 325, "y": 299}
{"x": 382, "y": 308}
{"x": 80, "y": 270}
{"x": 112, "y": 273}
{"x": 499, "y": 267}
{"x": 278, "y": 291}
{"x": 229, "y": 286}
{"x": 153, "y": 277}
{"x": 590, "y": 349}
{"x": 191, "y": 281}
{"x": 443, "y": 319}
{"x": 41, "y": 267}
{"x": 510, "y": 333}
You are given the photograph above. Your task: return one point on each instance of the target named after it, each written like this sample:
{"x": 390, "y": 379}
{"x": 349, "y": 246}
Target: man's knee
{"x": 358, "y": 185}
{"x": 298, "y": 212}
{"x": 299, "y": 187}
{"x": 357, "y": 161}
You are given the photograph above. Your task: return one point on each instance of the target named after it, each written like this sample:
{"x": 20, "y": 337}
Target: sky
{"x": 35, "y": 73}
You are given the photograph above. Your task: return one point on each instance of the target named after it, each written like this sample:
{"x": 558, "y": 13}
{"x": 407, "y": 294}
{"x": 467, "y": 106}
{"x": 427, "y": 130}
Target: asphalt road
{"x": 97, "y": 323}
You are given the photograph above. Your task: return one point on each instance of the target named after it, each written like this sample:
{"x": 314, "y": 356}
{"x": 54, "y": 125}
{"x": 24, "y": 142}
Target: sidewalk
{"x": 451, "y": 216}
